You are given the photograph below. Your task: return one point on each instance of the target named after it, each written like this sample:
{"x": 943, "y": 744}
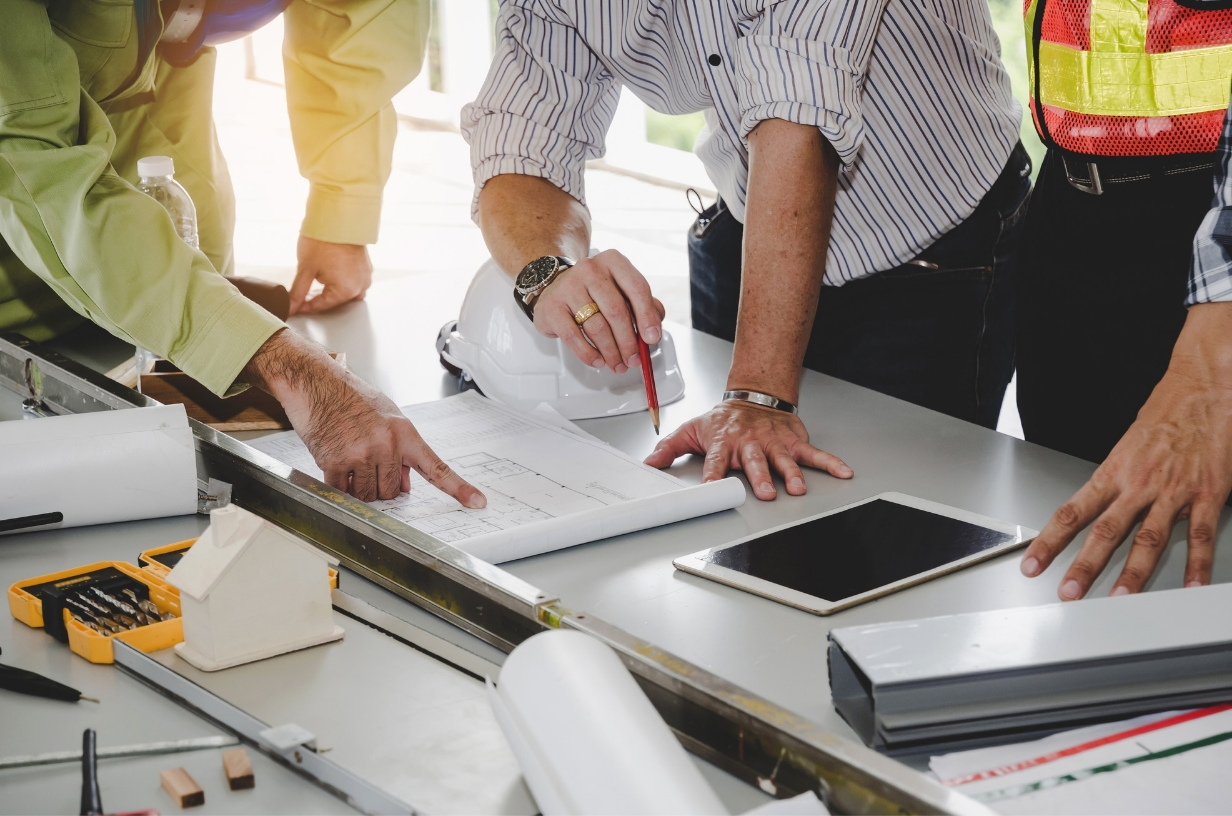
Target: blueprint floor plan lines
{"x": 516, "y": 495}
{"x": 529, "y": 470}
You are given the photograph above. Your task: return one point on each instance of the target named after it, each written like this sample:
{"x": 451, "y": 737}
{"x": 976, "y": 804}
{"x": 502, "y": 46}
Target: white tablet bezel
{"x": 695, "y": 565}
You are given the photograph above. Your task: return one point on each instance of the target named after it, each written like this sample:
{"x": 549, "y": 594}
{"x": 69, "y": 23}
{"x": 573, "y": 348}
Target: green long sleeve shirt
{"x": 109, "y": 251}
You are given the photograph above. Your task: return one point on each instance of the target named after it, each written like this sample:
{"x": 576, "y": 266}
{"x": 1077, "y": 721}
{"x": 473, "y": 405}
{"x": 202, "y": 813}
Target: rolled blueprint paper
{"x": 96, "y": 468}
{"x": 605, "y": 522}
{"x": 588, "y": 740}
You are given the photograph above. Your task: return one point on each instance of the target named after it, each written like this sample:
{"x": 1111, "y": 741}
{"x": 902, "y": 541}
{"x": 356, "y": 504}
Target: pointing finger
{"x": 440, "y": 475}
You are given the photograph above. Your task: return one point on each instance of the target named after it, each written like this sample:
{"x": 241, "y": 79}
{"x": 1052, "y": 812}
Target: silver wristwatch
{"x": 535, "y": 277}
{"x": 758, "y": 398}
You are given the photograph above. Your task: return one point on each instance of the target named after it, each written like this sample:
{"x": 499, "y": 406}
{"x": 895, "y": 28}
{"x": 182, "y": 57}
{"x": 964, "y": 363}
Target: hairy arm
{"x": 358, "y": 437}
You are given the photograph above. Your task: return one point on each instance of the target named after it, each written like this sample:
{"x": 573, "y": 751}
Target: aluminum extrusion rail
{"x": 750, "y": 737}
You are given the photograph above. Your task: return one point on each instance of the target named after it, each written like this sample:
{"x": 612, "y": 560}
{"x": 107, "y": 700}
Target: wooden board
{"x": 238, "y": 769}
{"x": 252, "y": 410}
{"x": 182, "y": 788}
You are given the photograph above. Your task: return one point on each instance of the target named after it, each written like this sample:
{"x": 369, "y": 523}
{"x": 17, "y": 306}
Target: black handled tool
{"x": 91, "y": 798}
{"x": 27, "y": 682}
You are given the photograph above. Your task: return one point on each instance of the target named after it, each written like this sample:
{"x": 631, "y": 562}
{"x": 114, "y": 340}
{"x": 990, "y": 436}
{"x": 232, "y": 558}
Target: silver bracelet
{"x": 759, "y": 399}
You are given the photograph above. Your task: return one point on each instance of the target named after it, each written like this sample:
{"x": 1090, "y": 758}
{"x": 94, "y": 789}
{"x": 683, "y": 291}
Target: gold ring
{"x": 586, "y": 313}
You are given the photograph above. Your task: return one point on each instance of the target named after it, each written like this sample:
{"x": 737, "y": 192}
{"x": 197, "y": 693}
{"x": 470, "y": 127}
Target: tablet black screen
{"x": 865, "y": 547}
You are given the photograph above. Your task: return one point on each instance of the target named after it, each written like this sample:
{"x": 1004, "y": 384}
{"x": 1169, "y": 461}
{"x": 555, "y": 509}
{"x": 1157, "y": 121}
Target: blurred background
{"x": 636, "y": 193}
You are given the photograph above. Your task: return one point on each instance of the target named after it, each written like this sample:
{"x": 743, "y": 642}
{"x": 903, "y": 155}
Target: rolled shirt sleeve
{"x": 805, "y": 61}
{"x": 109, "y": 251}
{"x": 1210, "y": 273}
{"x": 344, "y": 61}
{"x": 546, "y": 104}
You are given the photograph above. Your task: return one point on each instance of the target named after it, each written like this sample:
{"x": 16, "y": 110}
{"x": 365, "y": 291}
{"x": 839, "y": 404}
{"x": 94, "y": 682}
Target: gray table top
{"x": 773, "y": 650}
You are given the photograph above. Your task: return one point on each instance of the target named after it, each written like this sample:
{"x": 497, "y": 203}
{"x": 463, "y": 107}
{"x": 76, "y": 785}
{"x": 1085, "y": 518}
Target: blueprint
{"x": 533, "y": 471}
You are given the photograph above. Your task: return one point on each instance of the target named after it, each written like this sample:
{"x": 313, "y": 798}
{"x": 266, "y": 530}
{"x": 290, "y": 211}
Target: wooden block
{"x": 182, "y": 788}
{"x": 238, "y": 769}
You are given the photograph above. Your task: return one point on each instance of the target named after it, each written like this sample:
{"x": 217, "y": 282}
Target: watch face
{"x": 536, "y": 273}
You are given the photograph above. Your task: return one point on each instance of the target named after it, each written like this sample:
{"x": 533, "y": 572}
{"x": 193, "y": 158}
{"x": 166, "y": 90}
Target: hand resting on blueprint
{"x": 1174, "y": 463}
{"x": 792, "y": 183}
{"x": 357, "y": 436}
{"x": 743, "y": 436}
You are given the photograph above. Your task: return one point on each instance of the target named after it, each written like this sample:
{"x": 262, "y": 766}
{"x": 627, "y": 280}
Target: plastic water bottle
{"x": 158, "y": 182}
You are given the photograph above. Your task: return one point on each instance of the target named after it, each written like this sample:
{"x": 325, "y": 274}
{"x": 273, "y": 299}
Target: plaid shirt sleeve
{"x": 1210, "y": 274}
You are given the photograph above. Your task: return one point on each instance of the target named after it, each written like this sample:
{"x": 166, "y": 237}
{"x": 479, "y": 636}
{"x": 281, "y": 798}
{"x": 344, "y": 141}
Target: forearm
{"x": 1203, "y": 352}
{"x": 345, "y": 60}
{"x": 523, "y": 218}
{"x": 292, "y": 369}
{"x": 792, "y": 182}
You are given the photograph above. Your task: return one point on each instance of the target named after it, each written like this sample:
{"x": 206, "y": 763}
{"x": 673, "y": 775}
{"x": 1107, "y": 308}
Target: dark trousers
{"x": 939, "y": 335}
{"x": 1101, "y": 300}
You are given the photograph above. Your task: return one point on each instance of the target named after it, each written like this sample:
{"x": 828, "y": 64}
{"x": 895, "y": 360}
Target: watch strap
{"x": 526, "y": 301}
{"x": 758, "y": 398}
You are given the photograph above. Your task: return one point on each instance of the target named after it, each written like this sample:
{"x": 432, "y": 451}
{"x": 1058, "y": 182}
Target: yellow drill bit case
{"x": 26, "y": 603}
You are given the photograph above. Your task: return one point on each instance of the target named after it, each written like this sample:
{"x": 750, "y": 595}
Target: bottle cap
{"x": 155, "y": 166}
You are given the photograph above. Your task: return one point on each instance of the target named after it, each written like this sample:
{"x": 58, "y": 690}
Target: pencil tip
{"x": 90, "y": 699}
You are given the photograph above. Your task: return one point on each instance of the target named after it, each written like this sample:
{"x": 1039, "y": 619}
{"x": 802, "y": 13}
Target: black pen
{"x": 27, "y": 682}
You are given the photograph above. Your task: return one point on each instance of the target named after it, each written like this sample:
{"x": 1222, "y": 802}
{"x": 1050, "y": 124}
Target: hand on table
{"x": 743, "y": 436}
{"x": 344, "y": 269}
{"x": 607, "y": 338}
{"x": 358, "y": 437}
{"x": 1174, "y": 463}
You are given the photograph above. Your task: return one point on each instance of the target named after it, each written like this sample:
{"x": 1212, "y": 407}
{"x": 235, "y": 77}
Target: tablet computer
{"x": 862, "y": 551}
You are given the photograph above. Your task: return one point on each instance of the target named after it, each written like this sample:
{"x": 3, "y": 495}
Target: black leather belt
{"x": 1095, "y": 173}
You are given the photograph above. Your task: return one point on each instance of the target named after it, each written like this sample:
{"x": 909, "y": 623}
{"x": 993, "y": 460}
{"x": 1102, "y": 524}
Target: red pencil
{"x": 652, "y": 396}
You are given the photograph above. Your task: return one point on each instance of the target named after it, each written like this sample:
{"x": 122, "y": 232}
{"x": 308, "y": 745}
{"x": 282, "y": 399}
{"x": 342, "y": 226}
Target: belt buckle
{"x": 1090, "y": 185}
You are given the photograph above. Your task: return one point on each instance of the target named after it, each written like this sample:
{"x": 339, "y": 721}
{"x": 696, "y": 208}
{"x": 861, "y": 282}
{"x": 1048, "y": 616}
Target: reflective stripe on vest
{"x": 1113, "y": 82}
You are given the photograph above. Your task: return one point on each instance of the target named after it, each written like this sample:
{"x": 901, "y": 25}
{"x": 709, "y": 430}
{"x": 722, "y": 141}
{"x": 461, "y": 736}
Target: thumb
{"x": 675, "y": 445}
{"x": 304, "y": 276}
{"x": 332, "y": 295}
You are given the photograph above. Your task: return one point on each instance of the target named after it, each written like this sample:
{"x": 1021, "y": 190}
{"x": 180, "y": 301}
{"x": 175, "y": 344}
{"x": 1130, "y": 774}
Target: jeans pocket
{"x": 1014, "y": 213}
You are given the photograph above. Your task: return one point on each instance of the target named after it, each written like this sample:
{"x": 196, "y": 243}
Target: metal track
{"x": 748, "y": 736}
{"x": 355, "y": 791}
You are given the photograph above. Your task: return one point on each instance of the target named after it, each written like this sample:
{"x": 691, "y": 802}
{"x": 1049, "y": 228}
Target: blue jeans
{"x": 940, "y": 336}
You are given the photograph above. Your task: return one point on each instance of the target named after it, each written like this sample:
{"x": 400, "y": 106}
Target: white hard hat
{"x": 494, "y": 345}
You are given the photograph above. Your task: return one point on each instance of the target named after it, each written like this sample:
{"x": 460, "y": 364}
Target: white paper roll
{"x": 605, "y": 522}
{"x": 96, "y": 468}
{"x": 587, "y": 738}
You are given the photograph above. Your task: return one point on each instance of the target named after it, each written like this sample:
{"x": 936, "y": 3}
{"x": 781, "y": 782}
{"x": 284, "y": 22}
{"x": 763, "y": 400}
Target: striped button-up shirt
{"x": 1210, "y": 274}
{"x": 912, "y": 94}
